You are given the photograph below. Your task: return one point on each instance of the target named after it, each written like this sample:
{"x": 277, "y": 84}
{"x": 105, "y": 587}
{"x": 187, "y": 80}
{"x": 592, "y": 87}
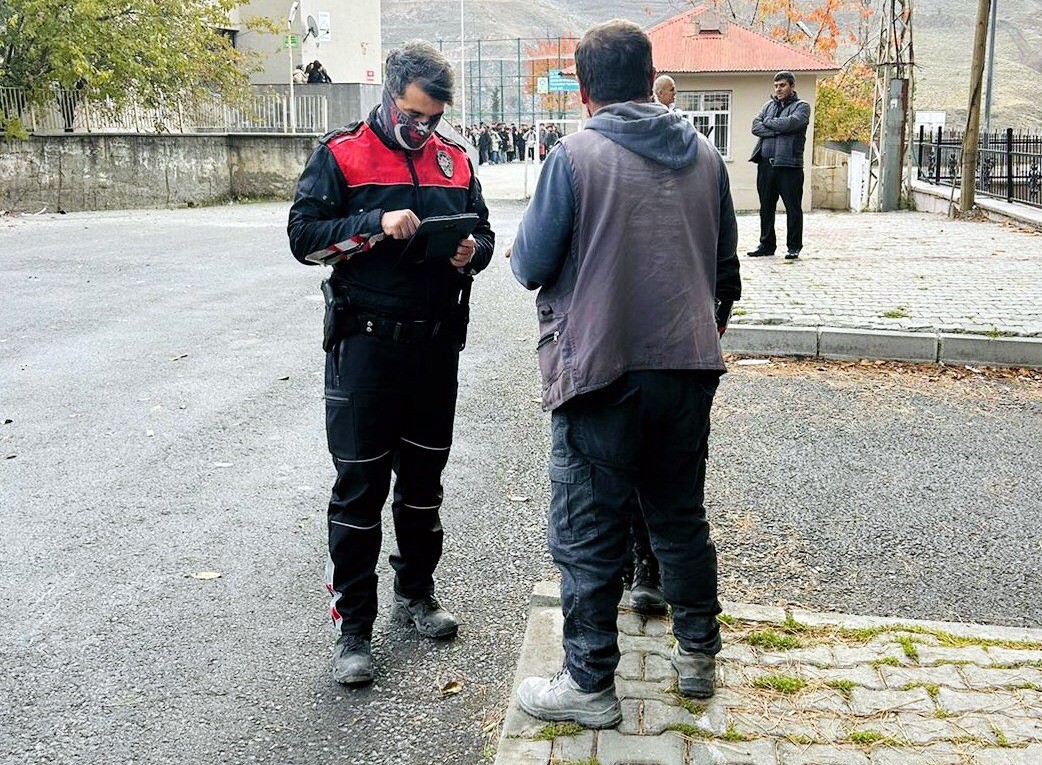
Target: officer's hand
{"x": 400, "y": 224}
{"x": 464, "y": 252}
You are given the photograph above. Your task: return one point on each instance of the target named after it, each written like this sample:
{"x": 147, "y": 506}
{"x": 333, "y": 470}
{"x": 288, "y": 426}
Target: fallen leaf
{"x": 10, "y": 456}
{"x": 8, "y": 421}
{"x": 178, "y": 358}
{"x": 284, "y": 378}
{"x": 150, "y": 433}
{"x": 517, "y": 498}
{"x": 206, "y": 575}
{"x": 451, "y": 688}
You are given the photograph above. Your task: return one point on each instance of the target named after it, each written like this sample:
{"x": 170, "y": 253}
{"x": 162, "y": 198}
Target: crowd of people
{"x": 500, "y": 142}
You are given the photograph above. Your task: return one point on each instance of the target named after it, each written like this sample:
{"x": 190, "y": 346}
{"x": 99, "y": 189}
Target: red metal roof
{"x": 678, "y": 46}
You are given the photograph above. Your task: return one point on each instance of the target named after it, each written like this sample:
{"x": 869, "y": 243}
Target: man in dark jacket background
{"x": 630, "y": 316}
{"x": 781, "y": 127}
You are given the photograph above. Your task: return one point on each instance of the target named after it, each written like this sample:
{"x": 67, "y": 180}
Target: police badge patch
{"x": 445, "y": 164}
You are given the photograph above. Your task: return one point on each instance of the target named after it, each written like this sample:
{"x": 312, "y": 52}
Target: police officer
{"x": 395, "y": 324}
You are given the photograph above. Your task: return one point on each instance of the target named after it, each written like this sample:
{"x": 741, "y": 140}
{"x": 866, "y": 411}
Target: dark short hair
{"x": 787, "y": 76}
{"x": 613, "y": 62}
{"x": 421, "y": 63}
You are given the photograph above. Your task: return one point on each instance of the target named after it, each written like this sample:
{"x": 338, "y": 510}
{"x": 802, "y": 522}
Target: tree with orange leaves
{"x": 820, "y": 26}
{"x": 540, "y": 58}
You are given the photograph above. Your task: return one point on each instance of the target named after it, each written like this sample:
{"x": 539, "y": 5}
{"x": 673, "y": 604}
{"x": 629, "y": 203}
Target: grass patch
{"x": 865, "y": 737}
{"x": 958, "y": 641}
{"x": 584, "y": 761}
{"x": 1000, "y": 737}
{"x": 895, "y": 313}
{"x": 690, "y": 705}
{"x": 553, "y": 730}
{"x": 739, "y": 312}
{"x": 843, "y": 686}
{"x": 931, "y": 688}
{"x": 909, "y": 648}
{"x": 689, "y": 731}
{"x": 941, "y": 714}
{"x": 727, "y": 619}
{"x": 780, "y": 683}
{"x": 731, "y": 734}
{"x": 887, "y": 661}
{"x": 772, "y": 641}
{"x": 800, "y": 740}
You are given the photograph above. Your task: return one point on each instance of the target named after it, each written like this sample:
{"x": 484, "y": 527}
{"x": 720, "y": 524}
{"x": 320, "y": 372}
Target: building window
{"x": 710, "y": 112}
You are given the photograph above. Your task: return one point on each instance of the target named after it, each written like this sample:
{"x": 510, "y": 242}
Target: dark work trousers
{"x": 787, "y": 183}
{"x": 389, "y": 406}
{"x": 647, "y": 432}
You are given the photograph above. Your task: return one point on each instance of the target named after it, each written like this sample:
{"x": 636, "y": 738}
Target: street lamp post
{"x": 462, "y": 71}
{"x": 289, "y": 46}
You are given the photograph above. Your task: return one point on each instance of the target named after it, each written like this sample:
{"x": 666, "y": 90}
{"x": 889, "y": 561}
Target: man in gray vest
{"x": 630, "y": 317}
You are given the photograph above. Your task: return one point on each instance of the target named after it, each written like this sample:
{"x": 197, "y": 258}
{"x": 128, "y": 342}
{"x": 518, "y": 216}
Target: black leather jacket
{"x": 355, "y": 175}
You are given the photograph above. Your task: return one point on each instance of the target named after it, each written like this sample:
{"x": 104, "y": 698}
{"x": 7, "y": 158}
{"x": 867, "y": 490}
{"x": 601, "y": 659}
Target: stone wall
{"x": 120, "y": 171}
{"x": 829, "y": 180}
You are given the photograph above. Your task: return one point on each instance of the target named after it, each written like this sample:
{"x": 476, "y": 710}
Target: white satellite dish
{"x": 312, "y": 27}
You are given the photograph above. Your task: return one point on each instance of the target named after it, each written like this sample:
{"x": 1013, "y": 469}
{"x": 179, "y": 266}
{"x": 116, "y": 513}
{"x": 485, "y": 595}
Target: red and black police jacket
{"x": 353, "y": 177}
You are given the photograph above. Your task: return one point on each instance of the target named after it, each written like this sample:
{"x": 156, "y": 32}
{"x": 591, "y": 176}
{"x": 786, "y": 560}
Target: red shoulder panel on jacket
{"x": 366, "y": 161}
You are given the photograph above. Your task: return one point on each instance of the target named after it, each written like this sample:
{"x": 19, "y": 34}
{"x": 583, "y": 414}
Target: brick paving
{"x": 903, "y": 271}
{"x": 898, "y": 271}
{"x": 799, "y": 688}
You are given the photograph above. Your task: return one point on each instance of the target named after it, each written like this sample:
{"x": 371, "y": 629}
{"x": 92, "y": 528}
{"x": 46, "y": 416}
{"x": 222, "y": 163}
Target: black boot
{"x": 646, "y": 593}
{"x": 352, "y": 660}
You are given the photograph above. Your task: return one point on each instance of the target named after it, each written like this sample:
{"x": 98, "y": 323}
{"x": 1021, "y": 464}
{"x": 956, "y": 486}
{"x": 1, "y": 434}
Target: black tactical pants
{"x": 787, "y": 183}
{"x": 389, "y": 406}
{"x": 647, "y": 432}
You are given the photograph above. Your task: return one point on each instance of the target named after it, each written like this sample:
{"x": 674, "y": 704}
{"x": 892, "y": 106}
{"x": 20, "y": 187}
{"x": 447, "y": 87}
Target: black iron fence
{"x": 1009, "y": 164}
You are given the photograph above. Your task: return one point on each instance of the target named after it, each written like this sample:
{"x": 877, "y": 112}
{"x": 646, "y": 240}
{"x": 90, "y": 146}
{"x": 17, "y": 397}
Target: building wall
{"x": 80, "y": 171}
{"x": 352, "y": 54}
{"x": 748, "y": 94}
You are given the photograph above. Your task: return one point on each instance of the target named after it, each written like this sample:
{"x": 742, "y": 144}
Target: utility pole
{"x": 971, "y": 139}
{"x": 991, "y": 64}
{"x": 894, "y": 94}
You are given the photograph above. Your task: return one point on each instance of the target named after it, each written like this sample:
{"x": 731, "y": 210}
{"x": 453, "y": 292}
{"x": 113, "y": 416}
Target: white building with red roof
{"x": 724, "y": 73}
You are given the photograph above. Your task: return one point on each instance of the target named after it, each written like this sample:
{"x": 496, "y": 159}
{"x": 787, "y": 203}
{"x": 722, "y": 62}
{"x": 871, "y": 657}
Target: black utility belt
{"x": 399, "y": 331}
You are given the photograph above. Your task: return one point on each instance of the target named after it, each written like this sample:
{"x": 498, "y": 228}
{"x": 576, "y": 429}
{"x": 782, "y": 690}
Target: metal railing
{"x": 74, "y": 111}
{"x": 1009, "y": 164}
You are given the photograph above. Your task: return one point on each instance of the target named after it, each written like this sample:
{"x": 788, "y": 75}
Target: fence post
{"x": 922, "y": 137}
{"x": 940, "y": 157}
{"x": 1009, "y": 164}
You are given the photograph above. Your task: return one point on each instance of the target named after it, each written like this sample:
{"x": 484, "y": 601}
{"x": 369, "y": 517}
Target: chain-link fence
{"x": 519, "y": 81}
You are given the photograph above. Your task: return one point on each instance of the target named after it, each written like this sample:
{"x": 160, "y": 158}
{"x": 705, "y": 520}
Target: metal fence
{"x": 1009, "y": 164}
{"x": 74, "y": 111}
{"x": 504, "y": 80}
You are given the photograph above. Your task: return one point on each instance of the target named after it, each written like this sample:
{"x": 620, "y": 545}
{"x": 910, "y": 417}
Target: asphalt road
{"x": 162, "y": 375}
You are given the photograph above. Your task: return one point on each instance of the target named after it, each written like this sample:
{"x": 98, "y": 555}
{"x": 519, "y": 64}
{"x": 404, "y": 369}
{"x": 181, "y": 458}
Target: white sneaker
{"x": 560, "y": 699}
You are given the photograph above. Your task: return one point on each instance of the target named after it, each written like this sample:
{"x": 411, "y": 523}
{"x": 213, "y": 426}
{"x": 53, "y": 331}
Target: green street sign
{"x": 291, "y": 41}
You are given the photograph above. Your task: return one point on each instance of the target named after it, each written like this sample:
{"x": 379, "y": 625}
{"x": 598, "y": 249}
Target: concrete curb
{"x": 844, "y": 343}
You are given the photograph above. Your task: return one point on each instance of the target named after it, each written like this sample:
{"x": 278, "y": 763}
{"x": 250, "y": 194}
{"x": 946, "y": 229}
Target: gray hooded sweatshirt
{"x": 631, "y": 239}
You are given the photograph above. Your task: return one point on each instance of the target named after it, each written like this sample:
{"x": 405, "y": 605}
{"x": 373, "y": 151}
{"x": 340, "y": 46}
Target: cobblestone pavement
{"x": 900, "y": 271}
{"x": 802, "y": 688}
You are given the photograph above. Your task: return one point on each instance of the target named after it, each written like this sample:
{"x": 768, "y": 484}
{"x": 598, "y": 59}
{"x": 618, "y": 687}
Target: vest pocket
{"x": 551, "y": 359}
